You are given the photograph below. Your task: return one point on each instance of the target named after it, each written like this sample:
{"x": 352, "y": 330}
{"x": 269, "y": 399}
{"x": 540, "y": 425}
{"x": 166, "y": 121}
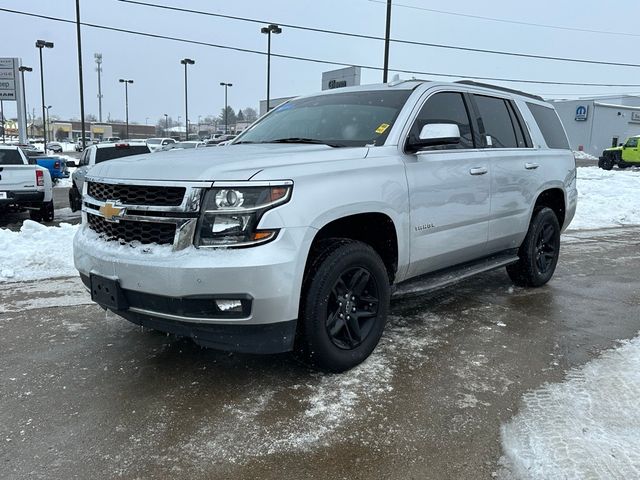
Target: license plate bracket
{"x": 108, "y": 293}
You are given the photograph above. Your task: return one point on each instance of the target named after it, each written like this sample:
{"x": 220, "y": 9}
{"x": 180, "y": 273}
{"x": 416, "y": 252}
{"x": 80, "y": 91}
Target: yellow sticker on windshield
{"x": 382, "y": 128}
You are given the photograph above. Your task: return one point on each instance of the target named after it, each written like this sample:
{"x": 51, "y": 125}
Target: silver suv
{"x": 296, "y": 235}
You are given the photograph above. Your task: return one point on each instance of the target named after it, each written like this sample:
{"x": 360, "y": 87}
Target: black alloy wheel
{"x": 352, "y": 308}
{"x": 547, "y": 243}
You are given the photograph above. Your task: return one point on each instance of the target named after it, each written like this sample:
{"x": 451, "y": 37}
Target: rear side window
{"x": 10, "y": 157}
{"x": 495, "y": 121}
{"x": 446, "y": 107}
{"x": 104, "y": 154}
{"x": 550, "y": 126}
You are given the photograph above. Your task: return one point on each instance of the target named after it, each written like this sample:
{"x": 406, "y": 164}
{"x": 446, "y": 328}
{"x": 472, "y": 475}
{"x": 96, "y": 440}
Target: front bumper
{"x": 169, "y": 290}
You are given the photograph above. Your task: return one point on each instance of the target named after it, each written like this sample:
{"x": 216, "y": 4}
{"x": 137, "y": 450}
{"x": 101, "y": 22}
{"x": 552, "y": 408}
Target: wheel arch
{"x": 552, "y": 197}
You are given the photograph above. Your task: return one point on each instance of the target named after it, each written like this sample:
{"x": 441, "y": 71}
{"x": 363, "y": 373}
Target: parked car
{"x": 96, "y": 154}
{"x": 220, "y": 139}
{"x": 55, "y": 147}
{"x": 111, "y": 139}
{"x": 297, "y": 237}
{"x": 184, "y": 145}
{"x": 79, "y": 147}
{"x": 159, "y": 143}
{"x": 57, "y": 166}
{"x": 24, "y": 186}
{"x": 624, "y": 156}
{"x": 30, "y": 150}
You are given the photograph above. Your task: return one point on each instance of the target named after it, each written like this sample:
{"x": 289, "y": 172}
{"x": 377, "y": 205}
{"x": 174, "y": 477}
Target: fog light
{"x": 229, "y": 306}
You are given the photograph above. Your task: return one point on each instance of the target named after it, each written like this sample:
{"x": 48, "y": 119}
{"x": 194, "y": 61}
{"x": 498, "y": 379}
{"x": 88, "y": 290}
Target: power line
{"x": 373, "y": 37}
{"x": 516, "y": 22}
{"x": 314, "y": 60}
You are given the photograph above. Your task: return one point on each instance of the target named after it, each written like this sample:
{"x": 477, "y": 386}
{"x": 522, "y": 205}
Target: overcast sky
{"x": 154, "y": 64}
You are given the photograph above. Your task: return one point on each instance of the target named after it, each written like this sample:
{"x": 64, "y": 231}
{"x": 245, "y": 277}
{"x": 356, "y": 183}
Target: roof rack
{"x": 502, "y": 89}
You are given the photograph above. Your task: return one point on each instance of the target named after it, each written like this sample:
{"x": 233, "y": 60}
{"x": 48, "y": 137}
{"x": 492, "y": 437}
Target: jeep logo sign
{"x": 582, "y": 113}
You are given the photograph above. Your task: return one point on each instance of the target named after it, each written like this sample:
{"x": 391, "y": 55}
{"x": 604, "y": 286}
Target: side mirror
{"x": 435, "y": 134}
{"x": 71, "y": 163}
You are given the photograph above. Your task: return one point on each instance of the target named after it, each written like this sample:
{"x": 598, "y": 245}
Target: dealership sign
{"x": 635, "y": 117}
{"x": 582, "y": 113}
{"x": 8, "y": 79}
{"x": 343, "y": 77}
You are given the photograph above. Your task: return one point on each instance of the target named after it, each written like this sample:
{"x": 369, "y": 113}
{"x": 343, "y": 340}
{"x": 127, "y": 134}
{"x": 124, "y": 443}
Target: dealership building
{"x": 593, "y": 124}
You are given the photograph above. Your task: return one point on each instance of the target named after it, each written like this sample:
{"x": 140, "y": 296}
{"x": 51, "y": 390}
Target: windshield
{"x": 154, "y": 141}
{"x": 104, "y": 154}
{"x": 352, "y": 119}
{"x": 632, "y": 142}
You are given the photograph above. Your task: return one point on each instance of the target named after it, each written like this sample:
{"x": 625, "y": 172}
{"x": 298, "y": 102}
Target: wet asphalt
{"x": 84, "y": 394}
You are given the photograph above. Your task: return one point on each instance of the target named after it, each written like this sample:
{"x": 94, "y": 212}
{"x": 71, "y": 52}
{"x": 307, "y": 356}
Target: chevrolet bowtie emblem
{"x": 110, "y": 212}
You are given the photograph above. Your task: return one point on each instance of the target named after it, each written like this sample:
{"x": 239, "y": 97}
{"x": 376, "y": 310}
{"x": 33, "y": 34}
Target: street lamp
{"x": 226, "y": 123}
{"x": 268, "y": 30}
{"x": 126, "y": 101}
{"x": 166, "y": 124}
{"x": 48, "y": 125}
{"x": 40, "y": 44}
{"x": 23, "y": 69}
{"x": 185, "y": 62}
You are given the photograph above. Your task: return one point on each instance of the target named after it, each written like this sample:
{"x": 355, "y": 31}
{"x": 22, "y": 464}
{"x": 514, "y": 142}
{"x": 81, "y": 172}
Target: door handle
{"x": 478, "y": 170}
{"x": 531, "y": 166}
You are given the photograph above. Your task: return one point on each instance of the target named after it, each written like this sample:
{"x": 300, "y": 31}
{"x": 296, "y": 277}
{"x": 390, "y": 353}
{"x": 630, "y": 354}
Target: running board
{"x": 444, "y": 278}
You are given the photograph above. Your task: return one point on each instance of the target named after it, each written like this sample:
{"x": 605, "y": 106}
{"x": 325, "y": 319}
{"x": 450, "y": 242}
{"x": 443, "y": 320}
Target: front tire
{"x": 539, "y": 252}
{"x": 75, "y": 199}
{"x": 344, "y": 306}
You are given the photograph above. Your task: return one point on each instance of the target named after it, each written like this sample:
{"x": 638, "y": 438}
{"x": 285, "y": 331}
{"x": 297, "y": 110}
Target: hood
{"x": 234, "y": 162}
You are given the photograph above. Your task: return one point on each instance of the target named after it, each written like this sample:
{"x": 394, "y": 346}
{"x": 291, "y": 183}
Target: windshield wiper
{"x": 312, "y": 141}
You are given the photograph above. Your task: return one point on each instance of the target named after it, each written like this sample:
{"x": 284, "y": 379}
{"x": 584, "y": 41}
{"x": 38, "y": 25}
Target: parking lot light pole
{"x": 126, "y": 101}
{"x": 48, "y": 125}
{"x": 166, "y": 124}
{"x": 186, "y": 62}
{"x": 23, "y": 69}
{"x": 387, "y": 40}
{"x": 268, "y": 30}
{"x": 40, "y": 44}
{"x": 226, "y": 108}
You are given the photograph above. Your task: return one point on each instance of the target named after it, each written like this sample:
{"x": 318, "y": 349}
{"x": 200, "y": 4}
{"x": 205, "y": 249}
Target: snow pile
{"x": 607, "y": 198}
{"x": 578, "y": 155}
{"x": 586, "y": 427}
{"x": 36, "y": 252}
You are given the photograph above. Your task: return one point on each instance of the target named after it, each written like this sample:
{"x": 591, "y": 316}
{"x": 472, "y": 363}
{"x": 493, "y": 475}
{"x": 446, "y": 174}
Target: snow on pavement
{"x": 36, "y": 252}
{"x": 585, "y": 427}
{"x": 607, "y": 198}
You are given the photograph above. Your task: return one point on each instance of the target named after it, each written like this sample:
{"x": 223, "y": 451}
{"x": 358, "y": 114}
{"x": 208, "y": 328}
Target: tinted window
{"x": 632, "y": 142}
{"x": 550, "y": 126}
{"x": 104, "y": 154}
{"x": 495, "y": 121}
{"x": 10, "y": 157}
{"x": 446, "y": 107}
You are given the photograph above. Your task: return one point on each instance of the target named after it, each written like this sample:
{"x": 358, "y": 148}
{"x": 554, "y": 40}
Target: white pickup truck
{"x": 24, "y": 186}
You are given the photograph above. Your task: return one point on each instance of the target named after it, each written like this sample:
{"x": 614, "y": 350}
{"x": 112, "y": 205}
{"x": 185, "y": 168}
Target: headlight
{"x": 231, "y": 213}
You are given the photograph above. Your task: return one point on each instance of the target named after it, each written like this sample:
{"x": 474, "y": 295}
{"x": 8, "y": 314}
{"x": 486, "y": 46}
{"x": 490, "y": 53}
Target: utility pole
{"x": 98, "y": 57}
{"x": 166, "y": 124}
{"x": 387, "y": 39}
{"x": 80, "y": 71}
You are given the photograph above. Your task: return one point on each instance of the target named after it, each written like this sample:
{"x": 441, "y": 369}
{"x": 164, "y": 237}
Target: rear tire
{"x": 606, "y": 163}
{"x": 539, "y": 251}
{"x": 344, "y": 305}
{"x": 44, "y": 214}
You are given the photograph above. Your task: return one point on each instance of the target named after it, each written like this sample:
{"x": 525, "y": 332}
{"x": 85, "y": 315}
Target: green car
{"x": 626, "y": 155}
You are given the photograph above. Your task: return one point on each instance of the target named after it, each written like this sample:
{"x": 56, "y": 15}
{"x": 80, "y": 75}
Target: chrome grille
{"x": 127, "y": 231}
{"x": 151, "y": 195}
